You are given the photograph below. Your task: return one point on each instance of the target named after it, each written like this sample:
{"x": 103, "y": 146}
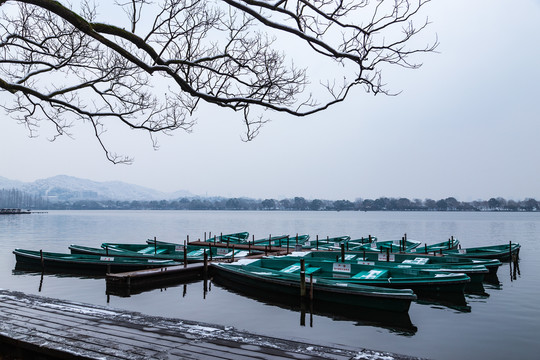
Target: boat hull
{"x": 337, "y": 295}
{"x": 33, "y": 260}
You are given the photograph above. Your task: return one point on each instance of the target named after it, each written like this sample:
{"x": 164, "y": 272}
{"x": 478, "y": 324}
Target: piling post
{"x": 510, "y": 250}
{"x": 387, "y": 255}
{"x": 205, "y": 236}
{"x": 188, "y": 239}
{"x": 205, "y": 271}
{"x": 214, "y": 239}
{"x": 155, "y": 245}
{"x": 270, "y": 241}
{"x": 311, "y": 287}
{"x": 302, "y": 278}
{"x": 425, "y": 248}
{"x": 342, "y": 253}
{"x": 287, "y": 244}
{"x": 210, "y": 251}
{"x": 317, "y": 243}
{"x": 41, "y": 258}
{"x": 296, "y": 238}
{"x": 185, "y": 254}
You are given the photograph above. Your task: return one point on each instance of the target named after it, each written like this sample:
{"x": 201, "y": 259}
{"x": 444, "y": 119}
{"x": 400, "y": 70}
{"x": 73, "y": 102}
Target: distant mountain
{"x": 63, "y": 187}
{"x": 10, "y": 184}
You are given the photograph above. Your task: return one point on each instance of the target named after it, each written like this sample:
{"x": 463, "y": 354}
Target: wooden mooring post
{"x": 302, "y": 278}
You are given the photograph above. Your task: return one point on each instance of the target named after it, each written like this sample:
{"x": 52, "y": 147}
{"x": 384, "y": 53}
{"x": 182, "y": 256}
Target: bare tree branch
{"x": 62, "y": 66}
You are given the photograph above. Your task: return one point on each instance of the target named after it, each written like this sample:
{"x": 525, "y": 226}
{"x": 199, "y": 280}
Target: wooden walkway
{"x": 59, "y": 329}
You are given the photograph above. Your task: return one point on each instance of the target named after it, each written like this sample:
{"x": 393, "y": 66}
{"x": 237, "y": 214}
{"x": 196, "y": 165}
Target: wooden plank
{"x": 52, "y": 326}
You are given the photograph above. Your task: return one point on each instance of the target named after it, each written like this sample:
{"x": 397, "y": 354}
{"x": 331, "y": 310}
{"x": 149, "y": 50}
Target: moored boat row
{"x": 343, "y": 277}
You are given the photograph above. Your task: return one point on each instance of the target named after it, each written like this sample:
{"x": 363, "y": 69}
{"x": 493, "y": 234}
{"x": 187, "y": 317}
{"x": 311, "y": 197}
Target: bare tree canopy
{"x": 150, "y": 66}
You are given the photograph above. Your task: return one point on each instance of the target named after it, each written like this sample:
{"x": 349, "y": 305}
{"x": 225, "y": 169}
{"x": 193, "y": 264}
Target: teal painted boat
{"x": 169, "y": 251}
{"x": 282, "y": 241}
{"x": 474, "y": 271}
{"x": 335, "y": 243}
{"x": 402, "y": 245}
{"x": 419, "y": 280}
{"x": 500, "y": 252}
{"x": 38, "y": 260}
{"x": 450, "y": 244}
{"x": 236, "y": 238}
{"x": 492, "y": 265}
{"x": 255, "y": 274}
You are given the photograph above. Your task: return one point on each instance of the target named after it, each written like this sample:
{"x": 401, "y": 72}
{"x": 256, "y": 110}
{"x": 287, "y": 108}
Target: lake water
{"x": 503, "y": 323}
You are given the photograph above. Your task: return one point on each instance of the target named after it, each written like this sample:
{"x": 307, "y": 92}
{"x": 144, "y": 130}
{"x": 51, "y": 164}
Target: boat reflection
{"x": 130, "y": 291}
{"x": 476, "y": 289}
{"x": 397, "y": 323}
{"x": 19, "y": 271}
{"x": 514, "y": 269}
{"x": 454, "y": 301}
{"x": 491, "y": 281}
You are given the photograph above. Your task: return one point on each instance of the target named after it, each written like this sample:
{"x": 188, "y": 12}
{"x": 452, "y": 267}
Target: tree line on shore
{"x": 14, "y": 198}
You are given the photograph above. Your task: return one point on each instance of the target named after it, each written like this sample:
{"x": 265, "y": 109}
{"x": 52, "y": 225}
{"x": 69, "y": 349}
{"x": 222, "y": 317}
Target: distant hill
{"x": 10, "y": 184}
{"x": 63, "y": 187}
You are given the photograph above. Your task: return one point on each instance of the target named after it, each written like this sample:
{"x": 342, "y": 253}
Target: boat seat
{"x": 195, "y": 253}
{"x": 312, "y": 270}
{"x": 291, "y": 268}
{"x": 147, "y": 250}
{"x": 416, "y": 261}
{"x": 371, "y": 274}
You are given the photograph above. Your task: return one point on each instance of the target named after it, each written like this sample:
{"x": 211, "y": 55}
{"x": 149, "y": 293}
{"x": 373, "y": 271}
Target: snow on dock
{"x": 64, "y": 329}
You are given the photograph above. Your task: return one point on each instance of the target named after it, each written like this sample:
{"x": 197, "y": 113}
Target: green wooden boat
{"x": 330, "y": 243}
{"x": 335, "y": 243}
{"x": 419, "y": 280}
{"x": 170, "y": 251}
{"x": 282, "y": 241}
{"x": 38, "y": 260}
{"x": 451, "y": 244}
{"x": 271, "y": 240}
{"x": 500, "y": 252}
{"x": 236, "y": 238}
{"x": 402, "y": 245}
{"x": 255, "y": 274}
{"x": 492, "y": 265}
{"x": 475, "y": 272}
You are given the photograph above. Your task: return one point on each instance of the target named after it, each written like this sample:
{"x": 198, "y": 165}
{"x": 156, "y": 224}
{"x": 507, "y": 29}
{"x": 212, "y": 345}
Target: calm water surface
{"x": 503, "y": 323}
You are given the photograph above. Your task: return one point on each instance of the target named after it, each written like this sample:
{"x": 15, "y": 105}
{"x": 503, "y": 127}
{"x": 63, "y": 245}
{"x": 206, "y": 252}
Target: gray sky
{"x": 465, "y": 125}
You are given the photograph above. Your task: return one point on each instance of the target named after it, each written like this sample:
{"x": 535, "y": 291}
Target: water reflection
{"x": 492, "y": 281}
{"x": 454, "y": 301}
{"x": 514, "y": 269}
{"x": 476, "y": 289}
{"x": 398, "y": 323}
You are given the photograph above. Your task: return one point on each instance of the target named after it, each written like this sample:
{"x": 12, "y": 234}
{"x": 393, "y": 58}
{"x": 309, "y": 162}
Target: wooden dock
{"x": 34, "y": 326}
{"x": 128, "y": 283}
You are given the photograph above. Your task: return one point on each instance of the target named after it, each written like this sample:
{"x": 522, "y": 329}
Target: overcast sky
{"x": 465, "y": 125}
